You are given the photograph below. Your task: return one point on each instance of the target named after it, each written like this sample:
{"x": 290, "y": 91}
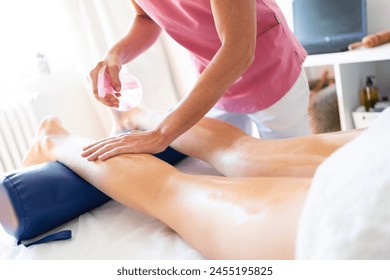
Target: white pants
{"x": 285, "y": 119}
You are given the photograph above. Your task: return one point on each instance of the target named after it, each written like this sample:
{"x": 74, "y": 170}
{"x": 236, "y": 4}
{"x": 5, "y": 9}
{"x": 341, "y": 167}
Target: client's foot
{"x": 40, "y": 150}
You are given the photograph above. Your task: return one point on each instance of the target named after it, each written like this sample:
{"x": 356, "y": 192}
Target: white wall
{"x": 378, "y": 15}
{"x": 286, "y": 6}
{"x": 181, "y": 66}
{"x": 63, "y": 94}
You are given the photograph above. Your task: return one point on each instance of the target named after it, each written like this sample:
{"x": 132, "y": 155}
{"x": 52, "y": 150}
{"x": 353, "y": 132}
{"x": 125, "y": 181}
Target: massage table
{"x": 346, "y": 215}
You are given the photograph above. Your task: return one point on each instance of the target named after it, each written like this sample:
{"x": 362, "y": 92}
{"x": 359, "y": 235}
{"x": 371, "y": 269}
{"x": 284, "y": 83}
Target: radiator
{"x": 17, "y": 128}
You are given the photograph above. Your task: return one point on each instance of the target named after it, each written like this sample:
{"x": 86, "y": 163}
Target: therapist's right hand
{"x": 113, "y": 65}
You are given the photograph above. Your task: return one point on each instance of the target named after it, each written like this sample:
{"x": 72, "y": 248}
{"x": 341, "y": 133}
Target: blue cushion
{"x": 36, "y": 199}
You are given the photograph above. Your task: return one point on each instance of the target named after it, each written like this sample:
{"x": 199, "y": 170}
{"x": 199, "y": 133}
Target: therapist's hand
{"x": 146, "y": 142}
{"x": 112, "y": 65}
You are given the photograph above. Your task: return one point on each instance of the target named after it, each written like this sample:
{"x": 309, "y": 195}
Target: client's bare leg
{"x": 221, "y": 217}
{"x": 234, "y": 153}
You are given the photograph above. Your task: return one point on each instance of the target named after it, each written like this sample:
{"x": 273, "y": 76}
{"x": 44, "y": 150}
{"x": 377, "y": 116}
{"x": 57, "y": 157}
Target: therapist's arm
{"x": 142, "y": 34}
{"x": 236, "y": 26}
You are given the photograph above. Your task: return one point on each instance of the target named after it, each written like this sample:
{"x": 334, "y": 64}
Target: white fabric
{"x": 112, "y": 231}
{"x": 286, "y": 118}
{"x": 242, "y": 121}
{"x": 347, "y": 211}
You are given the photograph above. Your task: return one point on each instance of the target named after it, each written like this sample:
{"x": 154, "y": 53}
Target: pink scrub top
{"x": 278, "y": 58}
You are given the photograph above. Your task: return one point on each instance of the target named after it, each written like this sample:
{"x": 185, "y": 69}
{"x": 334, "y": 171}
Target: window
{"x": 29, "y": 28}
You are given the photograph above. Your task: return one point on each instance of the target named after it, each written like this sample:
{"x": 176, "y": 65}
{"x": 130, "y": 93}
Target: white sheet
{"x": 112, "y": 231}
{"x": 347, "y": 211}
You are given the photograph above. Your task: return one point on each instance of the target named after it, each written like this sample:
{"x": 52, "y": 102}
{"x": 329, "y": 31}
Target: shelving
{"x": 350, "y": 71}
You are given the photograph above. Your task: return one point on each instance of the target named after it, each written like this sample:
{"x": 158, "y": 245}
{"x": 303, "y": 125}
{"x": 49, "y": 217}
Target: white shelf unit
{"x": 350, "y": 71}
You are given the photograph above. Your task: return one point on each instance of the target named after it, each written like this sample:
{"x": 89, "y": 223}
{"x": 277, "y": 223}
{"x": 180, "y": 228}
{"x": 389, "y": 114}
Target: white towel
{"x": 347, "y": 212}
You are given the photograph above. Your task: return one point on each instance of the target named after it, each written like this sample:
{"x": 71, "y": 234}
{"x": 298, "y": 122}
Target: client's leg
{"x": 221, "y": 217}
{"x": 234, "y": 153}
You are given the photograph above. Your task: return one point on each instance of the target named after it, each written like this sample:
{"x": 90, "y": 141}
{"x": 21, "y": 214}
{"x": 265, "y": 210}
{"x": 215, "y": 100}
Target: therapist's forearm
{"x": 226, "y": 67}
{"x": 142, "y": 35}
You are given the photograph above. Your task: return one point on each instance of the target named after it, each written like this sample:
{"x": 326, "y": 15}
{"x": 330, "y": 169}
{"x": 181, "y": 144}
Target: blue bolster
{"x": 36, "y": 199}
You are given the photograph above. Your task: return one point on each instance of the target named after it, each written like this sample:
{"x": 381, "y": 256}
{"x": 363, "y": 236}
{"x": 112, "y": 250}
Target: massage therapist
{"x": 249, "y": 64}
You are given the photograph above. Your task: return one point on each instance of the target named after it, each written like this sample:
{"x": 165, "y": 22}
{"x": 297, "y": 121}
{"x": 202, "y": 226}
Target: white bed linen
{"x": 112, "y": 231}
{"x": 347, "y": 211}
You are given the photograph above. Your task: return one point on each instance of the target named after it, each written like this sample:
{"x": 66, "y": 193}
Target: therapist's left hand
{"x": 139, "y": 142}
